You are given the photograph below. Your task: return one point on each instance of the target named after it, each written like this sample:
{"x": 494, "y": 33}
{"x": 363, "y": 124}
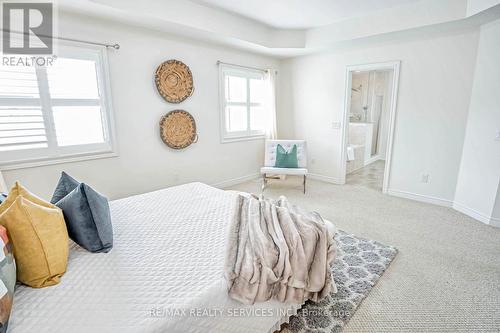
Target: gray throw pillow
{"x": 65, "y": 185}
{"x": 87, "y": 215}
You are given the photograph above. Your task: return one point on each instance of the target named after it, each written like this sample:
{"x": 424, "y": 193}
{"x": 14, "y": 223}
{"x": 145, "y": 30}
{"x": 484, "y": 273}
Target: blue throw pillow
{"x": 87, "y": 215}
{"x": 65, "y": 185}
{"x": 3, "y": 196}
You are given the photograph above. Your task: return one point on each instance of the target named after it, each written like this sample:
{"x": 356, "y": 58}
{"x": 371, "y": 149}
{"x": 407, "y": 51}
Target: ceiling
{"x": 356, "y": 22}
{"x": 301, "y": 14}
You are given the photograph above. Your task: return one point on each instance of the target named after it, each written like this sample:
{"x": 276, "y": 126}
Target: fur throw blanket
{"x": 278, "y": 251}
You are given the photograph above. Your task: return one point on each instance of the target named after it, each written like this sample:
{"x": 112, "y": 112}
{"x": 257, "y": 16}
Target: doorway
{"x": 369, "y": 117}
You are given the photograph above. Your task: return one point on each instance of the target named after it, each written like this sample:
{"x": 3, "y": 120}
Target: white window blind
{"x": 243, "y": 110}
{"x": 21, "y": 126}
{"x": 55, "y": 112}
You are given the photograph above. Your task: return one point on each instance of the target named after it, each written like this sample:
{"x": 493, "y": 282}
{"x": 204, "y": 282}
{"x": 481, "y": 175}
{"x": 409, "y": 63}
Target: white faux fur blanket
{"x": 278, "y": 251}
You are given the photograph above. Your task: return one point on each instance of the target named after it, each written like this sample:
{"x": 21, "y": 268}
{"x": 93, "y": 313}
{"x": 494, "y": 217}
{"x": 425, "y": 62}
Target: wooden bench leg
{"x": 264, "y": 183}
{"x": 304, "y": 184}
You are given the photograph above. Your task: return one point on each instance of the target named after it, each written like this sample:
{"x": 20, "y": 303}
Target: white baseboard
{"x": 327, "y": 179}
{"x": 476, "y": 214}
{"x": 420, "y": 197}
{"x": 494, "y": 221}
{"x": 372, "y": 160}
{"x": 236, "y": 181}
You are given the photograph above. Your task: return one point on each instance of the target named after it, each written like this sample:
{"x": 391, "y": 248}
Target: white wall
{"x": 477, "y": 187}
{"x": 145, "y": 163}
{"x": 434, "y": 94}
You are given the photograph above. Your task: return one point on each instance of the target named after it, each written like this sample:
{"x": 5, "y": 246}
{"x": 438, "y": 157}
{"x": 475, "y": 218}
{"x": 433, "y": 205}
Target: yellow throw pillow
{"x": 39, "y": 240}
{"x": 18, "y": 190}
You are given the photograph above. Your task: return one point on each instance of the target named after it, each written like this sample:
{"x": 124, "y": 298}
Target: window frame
{"x": 54, "y": 154}
{"x": 247, "y": 73}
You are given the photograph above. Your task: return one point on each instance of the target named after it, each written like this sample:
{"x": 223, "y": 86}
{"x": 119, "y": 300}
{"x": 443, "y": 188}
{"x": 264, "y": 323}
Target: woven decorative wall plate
{"x": 178, "y": 129}
{"x": 174, "y": 81}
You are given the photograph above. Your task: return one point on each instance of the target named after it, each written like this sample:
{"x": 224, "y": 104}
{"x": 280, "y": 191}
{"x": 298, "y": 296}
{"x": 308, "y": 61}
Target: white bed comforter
{"x": 164, "y": 274}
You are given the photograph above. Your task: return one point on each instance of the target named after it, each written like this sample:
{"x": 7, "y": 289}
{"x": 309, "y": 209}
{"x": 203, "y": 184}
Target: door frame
{"x": 389, "y": 65}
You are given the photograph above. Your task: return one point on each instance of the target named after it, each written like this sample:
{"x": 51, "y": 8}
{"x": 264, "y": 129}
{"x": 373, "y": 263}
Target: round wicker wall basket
{"x": 178, "y": 129}
{"x": 174, "y": 81}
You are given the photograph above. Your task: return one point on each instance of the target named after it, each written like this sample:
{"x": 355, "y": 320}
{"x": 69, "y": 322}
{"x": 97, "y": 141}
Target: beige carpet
{"x": 446, "y": 276}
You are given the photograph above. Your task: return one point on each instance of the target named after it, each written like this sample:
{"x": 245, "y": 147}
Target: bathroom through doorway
{"x": 370, "y": 106}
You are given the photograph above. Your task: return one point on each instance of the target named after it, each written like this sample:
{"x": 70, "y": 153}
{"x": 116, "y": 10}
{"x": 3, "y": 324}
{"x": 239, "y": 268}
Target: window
{"x": 243, "y": 103}
{"x": 55, "y": 113}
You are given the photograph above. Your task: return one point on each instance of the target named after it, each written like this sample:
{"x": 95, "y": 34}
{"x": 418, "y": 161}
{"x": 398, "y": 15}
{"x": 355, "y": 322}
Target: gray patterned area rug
{"x": 358, "y": 266}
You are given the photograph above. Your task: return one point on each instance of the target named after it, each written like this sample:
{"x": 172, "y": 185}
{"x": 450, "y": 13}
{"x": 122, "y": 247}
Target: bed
{"x": 164, "y": 274}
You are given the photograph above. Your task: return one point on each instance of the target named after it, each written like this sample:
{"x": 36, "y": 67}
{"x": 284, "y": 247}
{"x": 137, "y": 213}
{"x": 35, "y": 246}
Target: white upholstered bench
{"x": 268, "y": 171}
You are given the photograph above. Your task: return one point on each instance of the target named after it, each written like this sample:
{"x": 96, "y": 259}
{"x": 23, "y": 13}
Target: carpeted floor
{"x": 446, "y": 276}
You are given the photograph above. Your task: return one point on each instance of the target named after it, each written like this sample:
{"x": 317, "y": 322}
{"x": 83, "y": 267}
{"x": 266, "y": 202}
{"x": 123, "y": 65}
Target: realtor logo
{"x": 27, "y": 27}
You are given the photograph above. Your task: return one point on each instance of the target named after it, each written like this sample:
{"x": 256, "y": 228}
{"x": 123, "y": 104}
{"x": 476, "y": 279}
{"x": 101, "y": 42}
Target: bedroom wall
{"x": 478, "y": 183}
{"x": 144, "y": 162}
{"x": 434, "y": 94}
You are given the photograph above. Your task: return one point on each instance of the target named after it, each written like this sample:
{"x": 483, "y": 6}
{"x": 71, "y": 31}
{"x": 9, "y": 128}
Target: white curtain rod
{"x": 115, "y": 46}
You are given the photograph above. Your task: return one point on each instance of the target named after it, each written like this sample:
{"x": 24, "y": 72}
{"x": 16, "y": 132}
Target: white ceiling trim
{"x": 300, "y": 14}
{"x": 194, "y": 21}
